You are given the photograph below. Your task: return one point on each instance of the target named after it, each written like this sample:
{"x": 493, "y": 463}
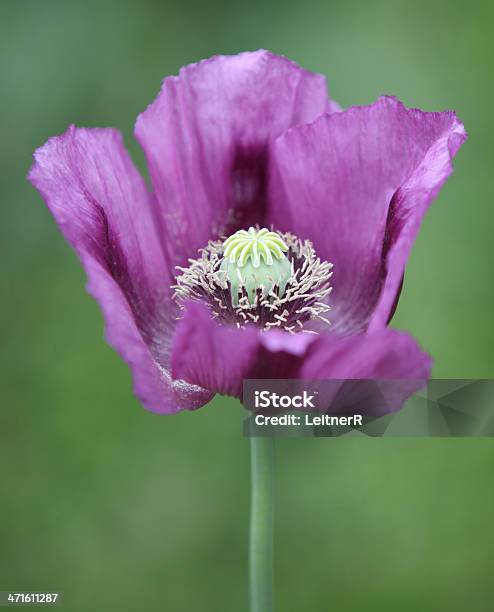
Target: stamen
{"x": 271, "y": 302}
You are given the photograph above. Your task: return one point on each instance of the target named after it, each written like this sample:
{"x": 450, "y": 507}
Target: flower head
{"x": 260, "y": 185}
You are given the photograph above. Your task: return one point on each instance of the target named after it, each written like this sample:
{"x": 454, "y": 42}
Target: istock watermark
{"x": 328, "y": 408}
{"x": 268, "y": 399}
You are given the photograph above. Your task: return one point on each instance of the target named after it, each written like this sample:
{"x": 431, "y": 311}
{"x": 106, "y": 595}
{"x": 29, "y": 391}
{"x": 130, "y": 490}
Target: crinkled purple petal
{"x": 383, "y": 354}
{"x": 219, "y": 357}
{"x": 384, "y": 368}
{"x": 207, "y": 138}
{"x": 152, "y": 383}
{"x": 357, "y": 183}
{"x": 102, "y": 207}
{"x": 408, "y": 206}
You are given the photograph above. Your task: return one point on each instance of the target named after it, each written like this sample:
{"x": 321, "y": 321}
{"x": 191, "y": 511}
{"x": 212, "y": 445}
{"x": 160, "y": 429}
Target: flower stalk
{"x": 261, "y": 524}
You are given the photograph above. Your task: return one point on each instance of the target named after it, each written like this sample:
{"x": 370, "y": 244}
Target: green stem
{"x": 261, "y": 524}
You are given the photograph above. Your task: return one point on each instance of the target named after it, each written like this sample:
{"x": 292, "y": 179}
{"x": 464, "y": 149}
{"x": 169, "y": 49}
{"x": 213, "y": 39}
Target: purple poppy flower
{"x": 232, "y": 143}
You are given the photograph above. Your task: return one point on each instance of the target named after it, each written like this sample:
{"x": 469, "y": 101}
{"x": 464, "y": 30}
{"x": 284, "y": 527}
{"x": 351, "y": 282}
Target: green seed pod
{"x": 253, "y": 260}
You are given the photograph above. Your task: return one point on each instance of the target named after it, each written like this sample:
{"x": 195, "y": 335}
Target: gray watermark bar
{"x": 329, "y": 408}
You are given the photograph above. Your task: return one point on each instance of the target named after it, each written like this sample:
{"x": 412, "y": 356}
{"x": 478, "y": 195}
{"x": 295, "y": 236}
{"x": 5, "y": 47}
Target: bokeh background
{"x": 124, "y": 510}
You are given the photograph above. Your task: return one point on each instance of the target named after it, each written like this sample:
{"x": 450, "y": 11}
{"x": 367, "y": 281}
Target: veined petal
{"x": 102, "y": 207}
{"x": 152, "y": 382}
{"x": 357, "y": 183}
{"x": 383, "y": 354}
{"x": 390, "y": 358}
{"x": 207, "y": 138}
{"x": 219, "y": 357}
{"x": 408, "y": 206}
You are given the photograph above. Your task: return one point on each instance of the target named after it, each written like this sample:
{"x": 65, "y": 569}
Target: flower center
{"x": 255, "y": 260}
{"x": 260, "y": 277}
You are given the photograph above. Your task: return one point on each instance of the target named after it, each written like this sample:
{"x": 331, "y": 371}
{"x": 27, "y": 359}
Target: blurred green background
{"x": 124, "y": 510}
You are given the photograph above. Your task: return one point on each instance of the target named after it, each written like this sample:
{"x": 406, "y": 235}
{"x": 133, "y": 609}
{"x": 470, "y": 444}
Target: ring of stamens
{"x": 303, "y": 300}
